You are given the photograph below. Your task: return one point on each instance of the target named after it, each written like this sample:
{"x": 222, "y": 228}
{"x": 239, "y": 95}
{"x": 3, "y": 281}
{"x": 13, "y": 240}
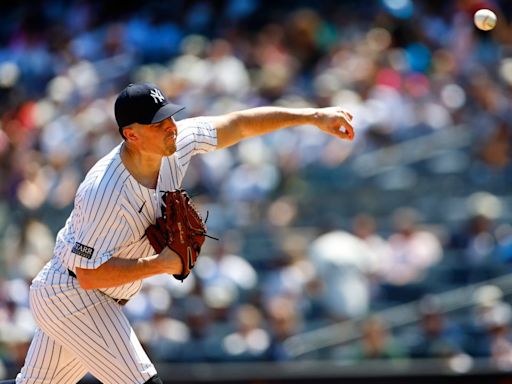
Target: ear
{"x": 130, "y": 134}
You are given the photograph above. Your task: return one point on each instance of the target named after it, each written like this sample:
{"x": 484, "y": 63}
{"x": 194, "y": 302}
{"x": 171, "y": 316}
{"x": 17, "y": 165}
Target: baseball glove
{"x": 181, "y": 228}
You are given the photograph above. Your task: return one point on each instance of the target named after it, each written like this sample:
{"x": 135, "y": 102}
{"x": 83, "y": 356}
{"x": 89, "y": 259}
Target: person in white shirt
{"x": 101, "y": 255}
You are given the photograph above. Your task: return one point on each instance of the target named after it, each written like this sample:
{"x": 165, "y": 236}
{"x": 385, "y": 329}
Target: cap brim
{"x": 166, "y": 111}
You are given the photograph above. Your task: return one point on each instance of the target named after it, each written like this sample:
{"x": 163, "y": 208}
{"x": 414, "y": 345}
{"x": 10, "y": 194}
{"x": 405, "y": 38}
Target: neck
{"x": 142, "y": 166}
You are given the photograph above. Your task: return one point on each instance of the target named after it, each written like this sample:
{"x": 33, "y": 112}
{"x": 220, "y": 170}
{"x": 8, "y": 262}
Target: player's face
{"x": 169, "y": 130}
{"x": 158, "y": 138}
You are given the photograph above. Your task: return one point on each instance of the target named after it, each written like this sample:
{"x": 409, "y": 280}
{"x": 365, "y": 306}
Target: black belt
{"x": 118, "y": 301}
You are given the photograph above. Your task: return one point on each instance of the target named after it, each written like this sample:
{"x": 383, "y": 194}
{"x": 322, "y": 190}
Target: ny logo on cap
{"x": 157, "y": 95}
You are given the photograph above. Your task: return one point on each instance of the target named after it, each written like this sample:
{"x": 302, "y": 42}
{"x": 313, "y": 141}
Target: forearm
{"x": 118, "y": 271}
{"x": 262, "y": 120}
{"x": 236, "y": 126}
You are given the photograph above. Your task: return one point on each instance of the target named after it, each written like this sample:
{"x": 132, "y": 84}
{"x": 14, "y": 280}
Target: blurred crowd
{"x": 407, "y": 70}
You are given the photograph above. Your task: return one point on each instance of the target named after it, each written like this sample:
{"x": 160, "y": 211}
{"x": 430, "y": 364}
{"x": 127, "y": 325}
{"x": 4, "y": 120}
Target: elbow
{"x": 86, "y": 286}
{"x": 84, "y": 278}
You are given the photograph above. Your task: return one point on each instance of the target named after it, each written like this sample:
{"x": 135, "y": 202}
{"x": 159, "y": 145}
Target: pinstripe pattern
{"x": 92, "y": 328}
{"x": 85, "y": 331}
{"x": 49, "y": 362}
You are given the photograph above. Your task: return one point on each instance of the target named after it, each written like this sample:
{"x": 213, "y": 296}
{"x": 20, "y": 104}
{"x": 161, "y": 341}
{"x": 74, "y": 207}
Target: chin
{"x": 170, "y": 151}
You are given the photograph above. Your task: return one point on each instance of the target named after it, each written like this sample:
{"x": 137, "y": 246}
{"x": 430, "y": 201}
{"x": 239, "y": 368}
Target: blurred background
{"x": 386, "y": 259}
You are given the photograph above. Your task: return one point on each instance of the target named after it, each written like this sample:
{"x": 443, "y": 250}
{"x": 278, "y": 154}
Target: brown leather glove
{"x": 181, "y": 228}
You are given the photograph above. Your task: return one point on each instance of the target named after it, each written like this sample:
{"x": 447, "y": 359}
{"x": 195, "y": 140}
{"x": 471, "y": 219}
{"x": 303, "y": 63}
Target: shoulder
{"x": 106, "y": 178}
{"x": 195, "y": 135}
{"x": 186, "y": 126}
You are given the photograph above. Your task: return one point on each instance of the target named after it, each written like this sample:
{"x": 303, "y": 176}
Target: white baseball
{"x": 485, "y": 19}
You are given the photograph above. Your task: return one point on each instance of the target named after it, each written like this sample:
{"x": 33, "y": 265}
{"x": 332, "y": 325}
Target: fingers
{"x": 348, "y": 114}
{"x": 348, "y": 134}
{"x": 336, "y": 121}
{"x": 344, "y": 129}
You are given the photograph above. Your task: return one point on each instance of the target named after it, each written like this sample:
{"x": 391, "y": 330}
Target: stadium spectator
{"x": 437, "y": 337}
{"x": 413, "y": 249}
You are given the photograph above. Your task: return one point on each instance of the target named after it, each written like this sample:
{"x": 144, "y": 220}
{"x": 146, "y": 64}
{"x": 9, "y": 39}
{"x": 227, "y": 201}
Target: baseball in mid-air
{"x": 485, "y": 19}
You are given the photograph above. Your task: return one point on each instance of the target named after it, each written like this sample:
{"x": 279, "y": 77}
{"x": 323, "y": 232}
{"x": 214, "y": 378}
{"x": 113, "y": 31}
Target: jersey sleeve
{"x": 196, "y": 135}
{"x": 98, "y": 230}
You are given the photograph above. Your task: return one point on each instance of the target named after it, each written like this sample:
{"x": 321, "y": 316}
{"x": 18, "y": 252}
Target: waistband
{"x": 118, "y": 301}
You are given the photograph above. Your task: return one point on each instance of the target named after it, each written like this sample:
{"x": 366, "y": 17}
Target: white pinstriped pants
{"x": 81, "y": 331}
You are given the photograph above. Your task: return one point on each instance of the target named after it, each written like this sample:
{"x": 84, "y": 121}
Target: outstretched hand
{"x": 336, "y": 122}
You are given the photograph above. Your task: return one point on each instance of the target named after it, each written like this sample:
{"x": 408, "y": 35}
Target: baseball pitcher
{"x": 130, "y": 221}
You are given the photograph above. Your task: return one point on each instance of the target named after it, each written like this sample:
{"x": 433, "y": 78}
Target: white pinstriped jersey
{"x": 112, "y": 210}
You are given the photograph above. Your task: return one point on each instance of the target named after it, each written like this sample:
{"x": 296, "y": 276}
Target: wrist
{"x": 311, "y": 115}
{"x": 169, "y": 261}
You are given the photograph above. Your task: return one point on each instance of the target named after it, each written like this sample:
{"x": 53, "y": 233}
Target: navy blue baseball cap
{"x": 144, "y": 104}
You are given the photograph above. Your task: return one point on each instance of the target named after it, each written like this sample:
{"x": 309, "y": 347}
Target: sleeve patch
{"x": 82, "y": 250}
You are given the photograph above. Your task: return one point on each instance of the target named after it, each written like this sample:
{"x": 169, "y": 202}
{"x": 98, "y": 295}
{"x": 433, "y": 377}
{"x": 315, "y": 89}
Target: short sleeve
{"x": 196, "y": 135}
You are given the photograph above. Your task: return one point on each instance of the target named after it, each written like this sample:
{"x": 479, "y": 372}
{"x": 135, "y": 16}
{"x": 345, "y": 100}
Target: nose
{"x": 170, "y": 125}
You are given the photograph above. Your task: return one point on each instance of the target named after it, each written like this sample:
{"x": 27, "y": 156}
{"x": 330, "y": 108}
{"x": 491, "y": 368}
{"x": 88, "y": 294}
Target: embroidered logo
{"x": 157, "y": 95}
{"x": 82, "y": 250}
